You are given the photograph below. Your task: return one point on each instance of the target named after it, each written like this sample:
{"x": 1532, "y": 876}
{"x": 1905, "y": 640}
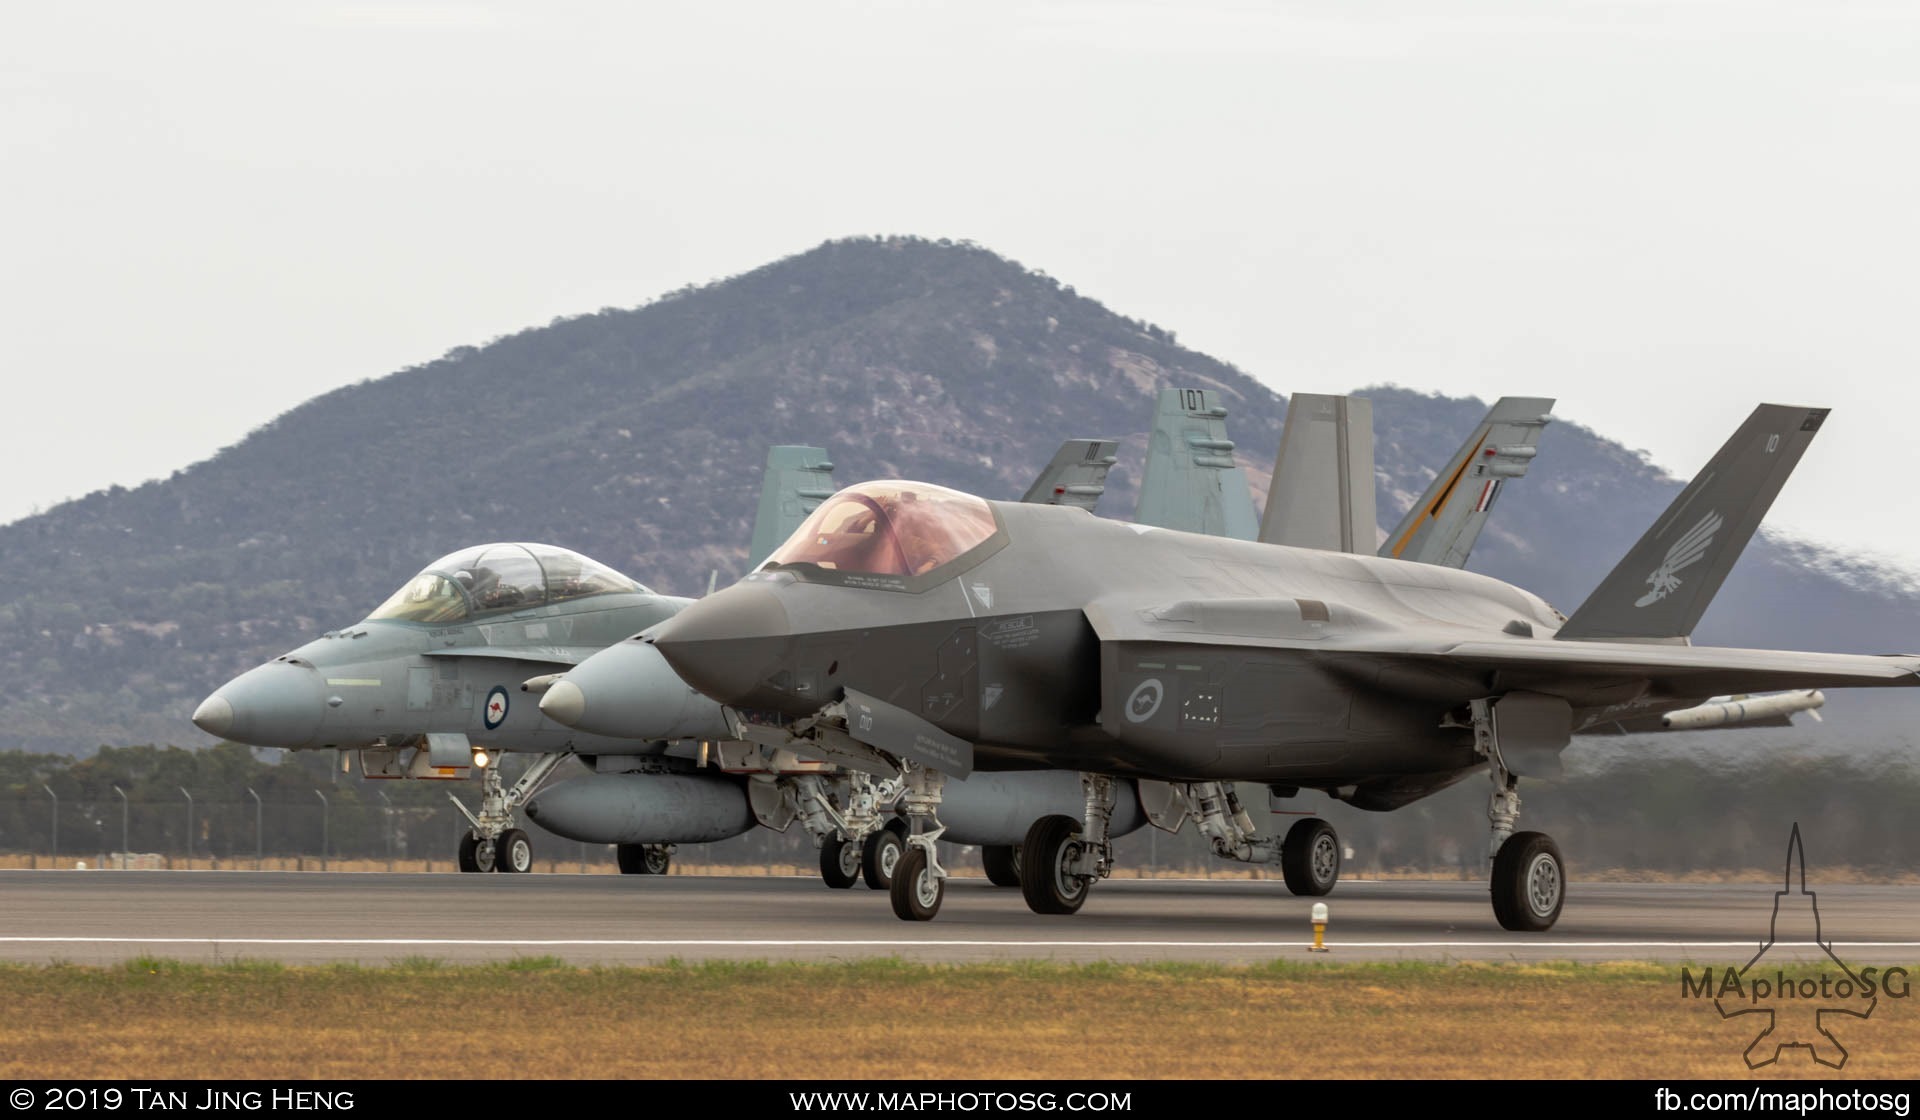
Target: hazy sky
{"x": 1659, "y": 212}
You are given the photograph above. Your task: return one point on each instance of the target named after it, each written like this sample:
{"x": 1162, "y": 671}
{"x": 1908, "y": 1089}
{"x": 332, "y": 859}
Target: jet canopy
{"x": 906, "y": 529}
{"x": 499, "y": 577}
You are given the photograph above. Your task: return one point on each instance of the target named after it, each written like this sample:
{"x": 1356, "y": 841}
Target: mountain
{"x": 637, "y": 436}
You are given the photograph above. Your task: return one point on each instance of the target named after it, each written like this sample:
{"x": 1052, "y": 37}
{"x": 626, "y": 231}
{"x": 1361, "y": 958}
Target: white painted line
{"x": 770, "y": 943}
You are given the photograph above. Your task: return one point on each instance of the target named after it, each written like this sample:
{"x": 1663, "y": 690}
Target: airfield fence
{"x": 240, "y": 834}
{"x": 1654, "y": 819}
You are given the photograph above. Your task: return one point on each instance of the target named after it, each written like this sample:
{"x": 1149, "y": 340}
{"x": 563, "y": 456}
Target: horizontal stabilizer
{"x": 1322, "y": 492}
{"x": 1077, "y": 476}
{"x": 1663, "y": 586}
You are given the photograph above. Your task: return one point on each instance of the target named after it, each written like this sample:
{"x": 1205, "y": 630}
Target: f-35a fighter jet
{"x": 910, "y": 629}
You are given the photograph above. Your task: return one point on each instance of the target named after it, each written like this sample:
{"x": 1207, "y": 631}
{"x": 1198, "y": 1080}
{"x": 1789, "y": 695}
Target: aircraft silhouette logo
{"x": 1800, "y": 1012}
{"x": 1690, "y": 549}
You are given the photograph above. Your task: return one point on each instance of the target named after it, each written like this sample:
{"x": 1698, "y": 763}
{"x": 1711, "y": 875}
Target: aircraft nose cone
{"x": 214, "y": 715}
{"x": 726, "y": 644}
{"x": 564, "y": 703}
{"x": 278, "y": 704}
{"x": 628, "y": 691}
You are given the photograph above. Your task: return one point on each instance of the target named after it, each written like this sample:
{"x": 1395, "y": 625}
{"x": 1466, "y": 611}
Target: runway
{"x": 91, "y": 917}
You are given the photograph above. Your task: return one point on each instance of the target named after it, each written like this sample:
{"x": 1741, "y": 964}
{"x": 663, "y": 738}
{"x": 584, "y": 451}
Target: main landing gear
{"x": 849, "y": 820}
{"x": 643, "y": 859}
{"x": 1062, "y": 858}
{"x": 1309, "y": 854}
{"x": 1002, "y": 864}
{"x": 492, "y": 842}
{"x": 919, "y": 882}
{"x": 1529, "y": 881}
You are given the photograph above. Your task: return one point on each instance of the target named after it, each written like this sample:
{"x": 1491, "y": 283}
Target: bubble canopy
{"x": 905, "y": 529}
{"x": 499, "y": 577}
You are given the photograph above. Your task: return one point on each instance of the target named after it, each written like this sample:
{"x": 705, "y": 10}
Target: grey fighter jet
{"x": 432, "y": 684}
{"x": 876, "y": 635}
{"x": 1322, "y": 488}
{"x": 848, "y": 811}
{"x": 429, "y": 686}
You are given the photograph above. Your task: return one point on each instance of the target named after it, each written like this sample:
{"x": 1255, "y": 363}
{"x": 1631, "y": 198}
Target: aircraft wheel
{"x": 916, "y": 892}
{"x": 469, "y": 857}
{"x": 898, "y": 826}
{"x": 642, "y": 859}
{"x": 513, "y": 852}
{"x": 1053, "y": 844}
{"x": 1529, "y": 882}
{"x": 1002, "y": 862}
{"x": 1310, "y": 857}
{"x": 880, "y": 858}
{"x": 840, "y": 863}
{"x": 485, "y": 853}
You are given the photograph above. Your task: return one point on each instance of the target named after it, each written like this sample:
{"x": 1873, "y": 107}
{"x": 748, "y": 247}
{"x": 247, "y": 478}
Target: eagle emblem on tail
{"x": 1687, "y": 551}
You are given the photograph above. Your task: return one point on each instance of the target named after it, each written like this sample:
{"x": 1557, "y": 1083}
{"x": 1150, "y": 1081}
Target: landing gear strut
{"x": 1309, "y": 855}
{"x": 1529, "y": 881}
{"x": 919, "y": 882}
{"x": 846, "y": 820}
{"x": 1062, "y": 858}
{"x": 492, "y": 842}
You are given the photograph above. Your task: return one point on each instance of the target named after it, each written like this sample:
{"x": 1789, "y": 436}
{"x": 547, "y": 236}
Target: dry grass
{"x": 888, "y": 1019}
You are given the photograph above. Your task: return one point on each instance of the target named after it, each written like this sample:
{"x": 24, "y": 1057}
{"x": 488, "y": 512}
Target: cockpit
{"x": 499, "y": 577}
{"x": 905, "y": 529}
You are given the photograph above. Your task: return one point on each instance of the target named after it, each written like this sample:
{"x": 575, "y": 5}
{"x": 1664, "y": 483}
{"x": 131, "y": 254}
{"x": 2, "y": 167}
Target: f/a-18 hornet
{"x": 906, "y": 628}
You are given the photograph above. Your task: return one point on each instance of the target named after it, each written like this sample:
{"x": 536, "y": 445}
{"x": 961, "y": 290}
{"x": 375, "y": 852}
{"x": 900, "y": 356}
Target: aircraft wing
{"x": 549, "y": 655}
{"x": 1554, "y": 667}
{"x": 1436, "y": 663}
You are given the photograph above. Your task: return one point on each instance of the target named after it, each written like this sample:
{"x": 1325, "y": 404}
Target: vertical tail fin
{"x": 1662, "y": 587}
{"x": 798, "y": 479}
{"x": 1322, "y": 494}
{"x": 1191, "y": 481}
{"x": 1077, "y": 476}
{"x": 1442, "y": 526}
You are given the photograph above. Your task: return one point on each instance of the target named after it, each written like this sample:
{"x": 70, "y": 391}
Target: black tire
{"x": 916, "y": 894}
{"x": 1529, "y": 882}
{"x": 1002, "y": 862}
{"x": 1051, "y": 844}
{"x": 642, "y": 859}
{"x": 840, "y": 863}
{"x": 1310, "y": 857}
{"x": 880, "y": 858}
{"x": 485, "y": 854}
{"x": 468, "y": 860}
{"x": 899, "y": 827}
{"x": 513, "y": 852}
